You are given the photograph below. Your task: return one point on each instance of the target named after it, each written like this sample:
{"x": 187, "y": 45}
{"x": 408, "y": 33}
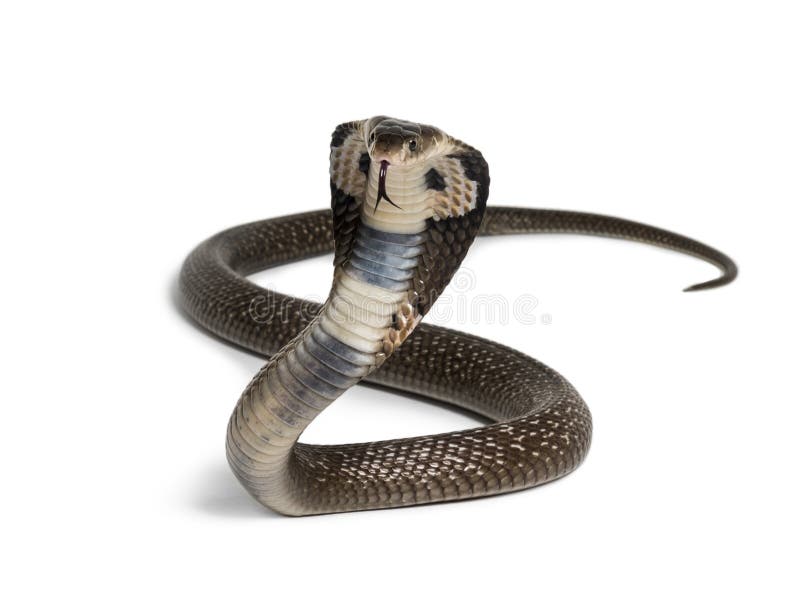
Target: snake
{"x": 407, "y": 201}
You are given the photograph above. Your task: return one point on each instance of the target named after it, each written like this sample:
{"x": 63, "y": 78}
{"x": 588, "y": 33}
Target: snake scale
{"x": 407, "y": 200}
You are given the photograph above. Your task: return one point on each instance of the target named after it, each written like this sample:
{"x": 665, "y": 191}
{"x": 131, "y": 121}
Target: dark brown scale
{"x": 541, "y": 428}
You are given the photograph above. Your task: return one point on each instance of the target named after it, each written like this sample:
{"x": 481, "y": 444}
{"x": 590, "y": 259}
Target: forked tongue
{"x": 382, "y": 186}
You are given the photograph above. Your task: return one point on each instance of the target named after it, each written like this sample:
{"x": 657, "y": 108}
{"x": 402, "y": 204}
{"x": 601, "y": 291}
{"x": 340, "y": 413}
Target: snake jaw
{"x": 382, "y": 186}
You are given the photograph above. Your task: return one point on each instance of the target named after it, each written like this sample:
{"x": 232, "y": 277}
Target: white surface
{"x": 131, "y": 131}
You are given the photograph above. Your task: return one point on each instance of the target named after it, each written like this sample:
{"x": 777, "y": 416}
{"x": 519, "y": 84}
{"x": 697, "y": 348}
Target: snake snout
{"x": 394, "y": 148}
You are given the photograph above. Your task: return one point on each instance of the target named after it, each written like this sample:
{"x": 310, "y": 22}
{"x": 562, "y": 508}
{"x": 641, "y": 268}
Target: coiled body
{"x": 391, "y": 262}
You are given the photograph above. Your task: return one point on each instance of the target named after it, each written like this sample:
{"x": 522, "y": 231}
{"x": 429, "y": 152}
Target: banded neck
{"x": 351, "y": 336}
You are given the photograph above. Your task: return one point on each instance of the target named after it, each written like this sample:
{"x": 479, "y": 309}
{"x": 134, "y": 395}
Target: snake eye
{"x": 412, "y": 145}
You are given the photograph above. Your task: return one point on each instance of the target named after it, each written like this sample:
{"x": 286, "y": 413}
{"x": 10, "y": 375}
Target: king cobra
{"x": 407, "y": 200}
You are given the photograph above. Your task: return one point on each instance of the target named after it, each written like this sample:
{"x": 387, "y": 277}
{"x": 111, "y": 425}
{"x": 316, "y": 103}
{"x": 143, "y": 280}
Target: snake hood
{"x": 411, "y": 181}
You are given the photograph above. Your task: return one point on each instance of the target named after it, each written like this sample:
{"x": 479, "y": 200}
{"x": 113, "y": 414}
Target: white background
{"x": 130, "y": 131}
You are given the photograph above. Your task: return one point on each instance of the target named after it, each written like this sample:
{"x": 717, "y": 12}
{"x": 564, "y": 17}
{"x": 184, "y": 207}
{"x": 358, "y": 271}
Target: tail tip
{"x": 718, "y": 282}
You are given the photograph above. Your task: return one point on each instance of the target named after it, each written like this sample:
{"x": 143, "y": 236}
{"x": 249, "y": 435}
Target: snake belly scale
{"x": 407, "y": 200}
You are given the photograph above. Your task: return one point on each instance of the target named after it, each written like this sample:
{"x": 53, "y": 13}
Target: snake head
{"x": 402, "y": 143}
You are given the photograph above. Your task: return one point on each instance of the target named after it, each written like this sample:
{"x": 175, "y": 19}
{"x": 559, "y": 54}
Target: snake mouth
{"x": 382, "y": 186}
